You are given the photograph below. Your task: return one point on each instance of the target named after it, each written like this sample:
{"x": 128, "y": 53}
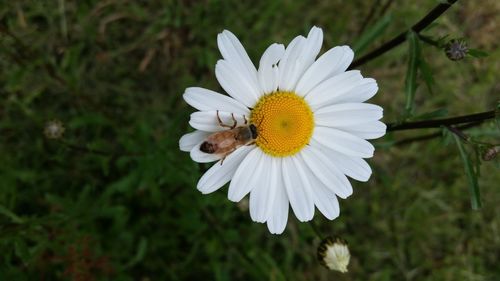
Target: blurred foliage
{"x": 115, "y": 199}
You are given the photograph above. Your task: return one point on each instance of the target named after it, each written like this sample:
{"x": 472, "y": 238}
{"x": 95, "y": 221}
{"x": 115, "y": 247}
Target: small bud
{"x": 491, "y": 153}
{"x": 334, "y": 254}
{"x": 54, "y": 129}
{"x": 456, "y": 49}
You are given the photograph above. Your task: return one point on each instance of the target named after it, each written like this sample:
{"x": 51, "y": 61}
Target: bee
{"x": 225, "y": 142}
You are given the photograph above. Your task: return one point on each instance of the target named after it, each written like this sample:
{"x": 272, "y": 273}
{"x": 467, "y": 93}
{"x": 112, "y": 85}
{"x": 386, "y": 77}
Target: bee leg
{"x": 251, "y": 143}
{"x": 234, "y": 120}
{"x": 244, "y": 118}
{"x": 225, "y": 155}
{"x": 222, "y": 160}
{"x": 222, "y": 124}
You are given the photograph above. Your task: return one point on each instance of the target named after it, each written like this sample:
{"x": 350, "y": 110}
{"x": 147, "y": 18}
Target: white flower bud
{"x": 334, "y": 254}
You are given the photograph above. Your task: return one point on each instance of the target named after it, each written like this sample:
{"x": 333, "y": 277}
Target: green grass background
{"x": 115, "y": 199}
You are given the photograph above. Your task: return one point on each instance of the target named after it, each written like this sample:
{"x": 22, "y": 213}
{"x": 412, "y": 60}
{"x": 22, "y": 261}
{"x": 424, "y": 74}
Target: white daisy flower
{"x": 301, "y": 128}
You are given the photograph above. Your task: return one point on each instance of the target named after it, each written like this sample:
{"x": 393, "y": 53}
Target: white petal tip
{"x": 363, "y": 179}
{"x": 331, "y": 217}
{"x": 344, "y": 196}
{"x": 275, "y": 231}
{"x": 233, "y": 198}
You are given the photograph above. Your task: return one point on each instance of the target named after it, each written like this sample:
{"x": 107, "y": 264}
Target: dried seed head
{"x": 456, "y": 49}
{"x": 54, "y": 129}
{"x": 491, "y": 153}
{"x": 334, "y": 254}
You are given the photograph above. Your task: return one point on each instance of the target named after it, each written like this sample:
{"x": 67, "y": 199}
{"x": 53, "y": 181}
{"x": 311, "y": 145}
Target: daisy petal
{"x": 301, "y": 58}
{"x": 359, "y": 93}
{"x": 233, "y": 51}
{"x": 247, "y": 176}
{"x": 354, "y": 167}
{"x": 296, "y": 185}
{"x": 311, "y": 49}
{"x": 368, "y": 131}
{"x": 327, "y": 172}
{"x": 262, "y": 196}
{"x": 236, "y": 84}
{"x": 288, "y": 62}
{"x": 205, "y": 100}
{"x": 343, "y": 142}
{"x": 201, "y": 157}
{"x": 207, "y": 120}
{"x": 326, "y": 202}
{"x": 268, "y": 73}
{"x": 189, "y": 140}
{"x": 218, "y": 175}
{"x": 324, "y": 199}
{"x": 347, "y": 114}
{"x": 326, "y": 92}
{"x": 278, "y": 218}
{"x": 331, "y": 63}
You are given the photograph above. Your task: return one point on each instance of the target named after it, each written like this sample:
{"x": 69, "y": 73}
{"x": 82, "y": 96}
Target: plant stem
{"x": 458, "y": 133}
{"x": 396, "y": 41}
{"x": 368, "y": 18}
{"x": 434, "y": 135}
{"x": 429, "y": 41}
{"x": 85, "y": 149}
{"x": 385, "y": 7}
{"x": 436, "y": 123}
{"x": 317, "y": 231}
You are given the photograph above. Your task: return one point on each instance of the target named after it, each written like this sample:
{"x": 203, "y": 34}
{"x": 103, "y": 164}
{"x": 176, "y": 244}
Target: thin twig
{"x": 96, "y": 151}
{"x": 396, "y": 41}
{"x": 433, "y": 135}
{"x": 385, "y": 8}
{"x": 85, "y": 149}
{"x": 429, "y": 41}
{"x": 436, "y": 123}
{"x": 370, "y": 15}
{"x": 458, "y": 133}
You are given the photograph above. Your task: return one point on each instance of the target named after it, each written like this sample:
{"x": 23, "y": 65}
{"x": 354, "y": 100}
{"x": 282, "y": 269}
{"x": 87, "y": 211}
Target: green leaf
{"x": 426, "y": 72}
{"x": 477, "y": 53}
{"x": 6, "y": 212}
{"x": 141, "y": 252}
{"x": 371, "y": 34}
{"x": 471, "y": 175}
{"x": 411, "y": 73}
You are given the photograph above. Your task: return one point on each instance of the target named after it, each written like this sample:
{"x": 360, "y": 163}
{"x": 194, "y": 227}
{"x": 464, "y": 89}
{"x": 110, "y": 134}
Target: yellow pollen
{"x": 284, "y": 123}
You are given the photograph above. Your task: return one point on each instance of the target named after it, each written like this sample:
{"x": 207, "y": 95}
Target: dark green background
{"x": 115, "y": 199}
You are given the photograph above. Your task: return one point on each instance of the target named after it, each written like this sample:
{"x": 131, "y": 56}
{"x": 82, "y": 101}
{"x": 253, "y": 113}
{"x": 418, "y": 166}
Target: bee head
{"x": 253, "y": 129}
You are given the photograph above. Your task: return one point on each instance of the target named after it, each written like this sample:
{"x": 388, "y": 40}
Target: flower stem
{"x": 430, "y": 41}
{"x": 368, "y": 18}
{"x": 85, "y": 149}
{"x": 434, "y": 135}
{"x": 317, "y": 231}
{"x": 436, "y": 123}
{"x": 458, "y": 133}
{"x": 396, "y": 41}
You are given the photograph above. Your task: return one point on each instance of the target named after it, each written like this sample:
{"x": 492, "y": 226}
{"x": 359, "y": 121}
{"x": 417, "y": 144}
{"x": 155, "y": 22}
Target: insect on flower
{"x": 307, "y": 128}
{"x": 225, "y": 142}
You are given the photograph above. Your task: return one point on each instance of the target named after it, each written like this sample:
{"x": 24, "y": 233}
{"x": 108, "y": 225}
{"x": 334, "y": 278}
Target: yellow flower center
{"x": 284, "y": 123}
